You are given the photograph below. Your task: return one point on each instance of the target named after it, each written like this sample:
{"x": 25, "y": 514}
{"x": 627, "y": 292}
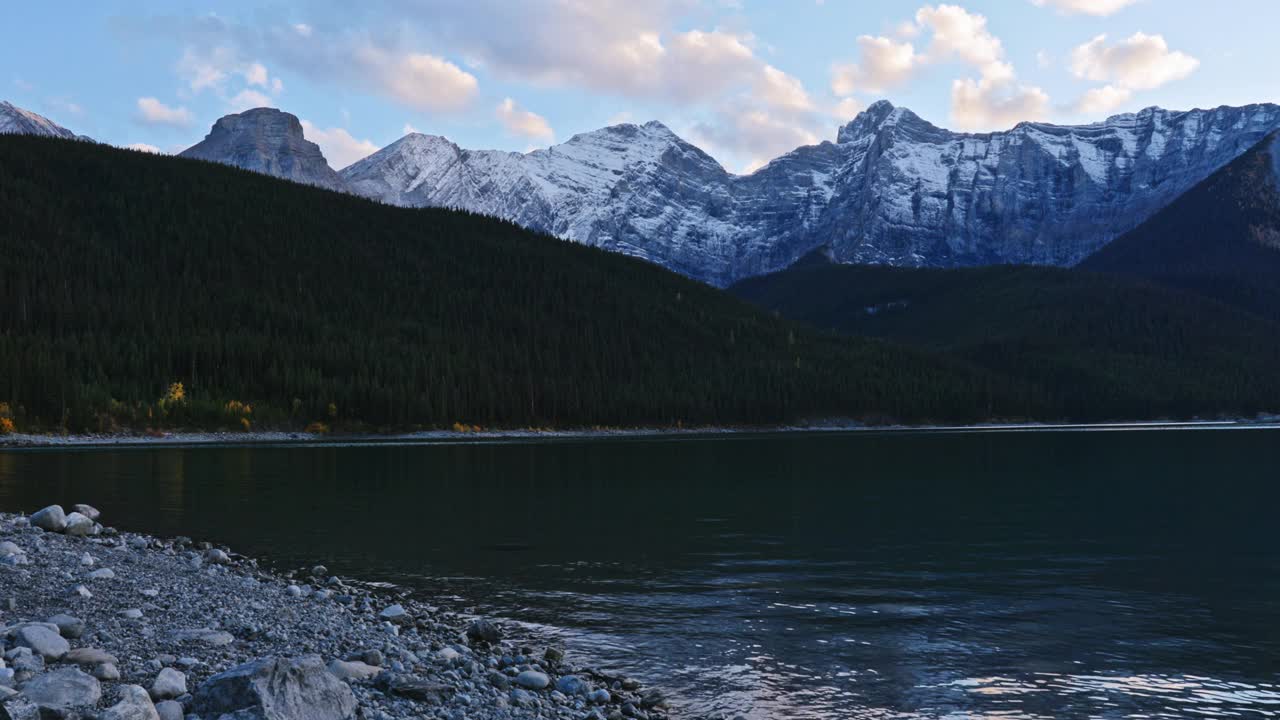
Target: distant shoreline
{"x": 230, "y": 438}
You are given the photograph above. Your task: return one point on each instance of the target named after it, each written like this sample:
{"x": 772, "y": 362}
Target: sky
{"x": 746, "y": 80}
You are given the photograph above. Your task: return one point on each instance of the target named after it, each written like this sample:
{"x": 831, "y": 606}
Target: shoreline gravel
{"x": 96, "y": 623}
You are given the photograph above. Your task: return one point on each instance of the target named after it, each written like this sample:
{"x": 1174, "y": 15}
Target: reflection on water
{"x": 1056, "y": 575}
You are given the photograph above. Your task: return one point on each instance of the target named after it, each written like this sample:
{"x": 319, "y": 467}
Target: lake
{"x": 834, "y": 575}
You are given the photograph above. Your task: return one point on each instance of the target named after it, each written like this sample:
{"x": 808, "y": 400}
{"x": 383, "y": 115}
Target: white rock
{"x": 169, "y": 684}
{"x": 52, "y": 518}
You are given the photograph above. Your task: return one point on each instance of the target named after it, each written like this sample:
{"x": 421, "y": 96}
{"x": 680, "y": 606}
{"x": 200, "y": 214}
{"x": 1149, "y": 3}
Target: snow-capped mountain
{"x": 15, "y": 120}
{"x": 268, "y": 141}
{"x": 892, "y": 189}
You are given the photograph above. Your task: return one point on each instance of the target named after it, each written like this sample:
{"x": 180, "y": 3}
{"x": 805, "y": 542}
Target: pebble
{"x": 131, "y": 614}
{"x": 101, "y": 574}
{"x": 533, "y": 680}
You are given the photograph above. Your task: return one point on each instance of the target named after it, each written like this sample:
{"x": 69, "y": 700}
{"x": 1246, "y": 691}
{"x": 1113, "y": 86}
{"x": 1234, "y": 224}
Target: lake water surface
{"x": 859, "y": 575}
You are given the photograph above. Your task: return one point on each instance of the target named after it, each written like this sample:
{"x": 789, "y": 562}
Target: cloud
{"x": 1087, "y": 7}
{"x": 995, "y": 101}
{"x": 778, "y": 89}
{"x": 422, "y": 81}
{"x": 619, "y": 118}
{"x": 153, "y": 112}
{"x": 959, "y": 34}
{"x": 1101, "y": 100}
{"x": 247, "y": 100}
{"x": 847, "y": 109}
{"x": 752, "y": 134}
{"x": 1141, "y": 62}
{"x": 885, "y": 64}
{"x": 143, "y": 147}
{"x": 409, "y": 129}
{"x": 518, "y": 121}
{"x": 338, "y": 145}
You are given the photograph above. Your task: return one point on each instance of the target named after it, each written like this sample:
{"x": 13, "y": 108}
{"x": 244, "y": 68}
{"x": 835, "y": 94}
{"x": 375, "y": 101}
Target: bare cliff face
{"x": 892, "y": 189}
{"x": 268, "y": 141}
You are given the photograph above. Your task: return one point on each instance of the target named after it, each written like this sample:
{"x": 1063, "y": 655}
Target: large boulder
{"x": 277, "y": 689}
{"x": 134, "y": 704}
{"x": 169, "y": 684}
{"x": 63, "y": 689}
{"x": 79, "y": 525}
{"x": 52, "y": 518}
{"x": 88, "y": 511}
{"x": 42, "y": 640}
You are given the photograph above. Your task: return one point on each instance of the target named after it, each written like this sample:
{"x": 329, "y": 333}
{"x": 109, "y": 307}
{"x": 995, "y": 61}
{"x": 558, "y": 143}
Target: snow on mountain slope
{"x": 15, "y": 120}
{"x": 892, "y": 189}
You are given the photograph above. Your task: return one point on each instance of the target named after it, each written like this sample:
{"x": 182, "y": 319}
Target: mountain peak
{"x": 878, "y": 115}
{"x": 268, "y": 141}
{"x": 17, "y": 121}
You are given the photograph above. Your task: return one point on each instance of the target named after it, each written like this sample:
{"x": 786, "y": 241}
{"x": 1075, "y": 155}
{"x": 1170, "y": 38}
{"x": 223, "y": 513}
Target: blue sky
{"x": 745, "y": 79}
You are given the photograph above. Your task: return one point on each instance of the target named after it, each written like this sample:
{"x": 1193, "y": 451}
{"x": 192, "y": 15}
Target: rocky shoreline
{"x": 97, "y": 623}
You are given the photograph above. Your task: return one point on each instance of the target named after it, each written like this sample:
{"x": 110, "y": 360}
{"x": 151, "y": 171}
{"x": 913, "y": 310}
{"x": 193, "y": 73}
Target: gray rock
{"x": 353, "y": 670}
{"x": 600, "y": 697}
{"x": 68, "y": 626}
{"x": 533, "y": 680}
{"x": 63, "y": 689}
{"x": 498, "y": 680}
{"x": 131, "y": 614}
{"x": 397, "y": 615}
{"x": 8, "y": 548}
{"x": 420, "y": 690}
{"x": 20, "y": 708}
{"x": 101, "y": 574}
{"x": 573, "y": 685}
{"x": 52, "y": 518}
{"x": 106, "y": 672}
{"x": 88, "y": 511}
{"x": 216, "y": 556}
{"x": 42, "y": 641}
{"x": 89, "y": 656}
{"x": 277, "y": 689}
{"x": 81, "y": 592}
{"x": 170, "y": 710}
{"x": 133, "y": 705}
{"x": 267, "y": 141}
{"x": 484, "y": 631}
{"x": 169, "y": 684}
{"x": 78, "y": 525}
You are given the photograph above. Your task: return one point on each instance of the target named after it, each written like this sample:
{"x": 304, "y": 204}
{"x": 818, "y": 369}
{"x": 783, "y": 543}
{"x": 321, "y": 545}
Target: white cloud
{"x": 780, "y": 90}
{"x": 144, "y": 147}
{"x": 884, "y": 64}
{"x": 518, "y": 121}
{"x": 247, "y": 100}
{"x": 960, "y": 34}
{"x": 619, "y": 118}
{"x": 153, "y": 112}
{"x": 338, "y": 145}
{"x": 256, "y": 74}
{"x": 752, "y": 134}
{"x": 995, "y": 101}
{"x": 302, "y": 29}
{"x": 1087, "y": 7}
{"x": 409, "y": 129}
{"x": 1102, "y": 100}
{"x": 1141, "y": 62}
{"x": 419, "y": 80}
{"x": 847, "y": 109}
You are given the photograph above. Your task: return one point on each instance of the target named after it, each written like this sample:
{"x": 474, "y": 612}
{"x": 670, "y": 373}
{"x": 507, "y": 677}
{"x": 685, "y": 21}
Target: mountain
{"x": 293, "y": 299}
{"x": 15, "y": 120}
{"x": 1220, "y": 239}
{"x": 893, "y": 189}
{"x": 267, "y": 141}
{"x": 1096, "y": 345}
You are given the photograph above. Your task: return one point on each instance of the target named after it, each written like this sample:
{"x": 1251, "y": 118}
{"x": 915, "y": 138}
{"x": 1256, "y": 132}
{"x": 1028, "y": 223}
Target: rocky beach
{"x": 98, "y": 623}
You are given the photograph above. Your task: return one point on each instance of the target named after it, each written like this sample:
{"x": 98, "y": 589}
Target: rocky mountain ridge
{"x": 893, "y": 189}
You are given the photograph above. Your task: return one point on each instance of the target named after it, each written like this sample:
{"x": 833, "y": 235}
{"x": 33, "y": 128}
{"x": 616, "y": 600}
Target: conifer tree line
{"x": 140, "y": 291}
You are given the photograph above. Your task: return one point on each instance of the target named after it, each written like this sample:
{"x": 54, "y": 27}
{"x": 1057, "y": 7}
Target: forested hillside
{"x": 146, "y": 291}
{"x": 1221, "y": 239}
{"x": 1095, "y": 345}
